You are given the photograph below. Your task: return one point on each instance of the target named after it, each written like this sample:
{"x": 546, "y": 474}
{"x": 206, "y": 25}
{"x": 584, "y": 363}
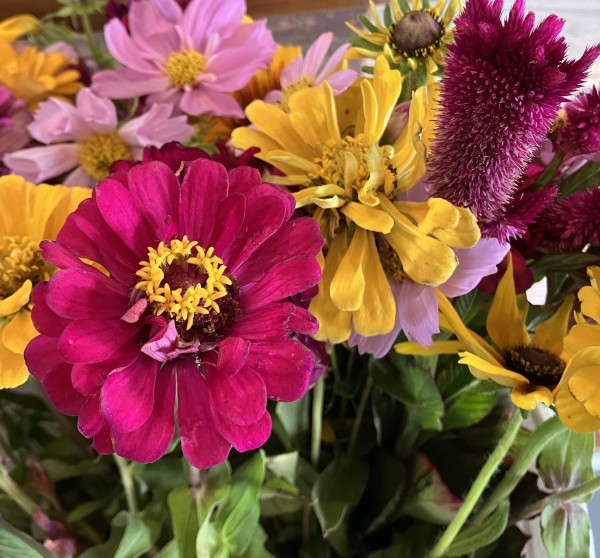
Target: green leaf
{"x": 336, "y": 491}
{"x": 368, "y": 25}
{"x": 566, "y": 531}
{"x": 284, "y": 465}
{"x": 170, "y": 550}
{"x": 294, "y": 417}
{"x": 215, "y": 488}
{"x": 84, "y": 509}
{"x": 141, "y": 532}
{"x": 469, "y": 408}
{"x": 185, "y": 520}
{"x": 562, "y": 263}
{"x": 549, "y": 171}
{"x": 586, "y": 177}
{"x": 566, "y": 461}
{"x": 474, "y": 537}
{"x": 257, "y": 546}
{"x": 15, "y": 544}
{"x": 427, "y": 497}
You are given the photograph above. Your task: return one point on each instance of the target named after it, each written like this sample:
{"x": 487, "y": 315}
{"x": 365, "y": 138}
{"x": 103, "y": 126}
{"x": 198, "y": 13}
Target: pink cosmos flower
{"x": 193, "y": 58}
{"x": 504, "y": 83}
{"x": 14, "y": 118}
{"x": 193, "y": 313}
{"x": 86, "y": 138}
{"x": 311, "y": 70}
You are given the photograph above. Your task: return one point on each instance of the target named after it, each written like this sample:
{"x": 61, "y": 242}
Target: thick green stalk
{"x": 317, "y": 420}
{"x": 14, "y": 492}
{"x": 480, "y": 484}
{"x": 128, "y": 483}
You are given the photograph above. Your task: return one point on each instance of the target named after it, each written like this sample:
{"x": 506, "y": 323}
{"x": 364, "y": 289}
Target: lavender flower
{"x": 505, "y": 81}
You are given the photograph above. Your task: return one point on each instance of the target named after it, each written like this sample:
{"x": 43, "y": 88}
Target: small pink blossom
{"x": 193, "y": 57}
{"x": 85, "y": 139}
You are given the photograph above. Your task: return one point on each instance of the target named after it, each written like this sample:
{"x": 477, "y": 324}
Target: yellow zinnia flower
{"x": 14, "y": 27}
{"x": 578, "y": 397}
{"x": 328, "y": 149}
{"x": 34, "y": 76}
{"x": 409, "y": 35}
{"x": 29, "y": 214}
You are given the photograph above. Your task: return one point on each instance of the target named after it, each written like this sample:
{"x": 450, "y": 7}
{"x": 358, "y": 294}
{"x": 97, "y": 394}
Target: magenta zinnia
{"x": 191, "y": 313}
{"x": 505, "y": 81}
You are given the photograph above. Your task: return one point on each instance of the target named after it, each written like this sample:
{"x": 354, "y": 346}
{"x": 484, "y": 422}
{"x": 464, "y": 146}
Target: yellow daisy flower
{"x": 412, "y": 33}
{"x": 14, "y": 27}
{"x": 328, "y": 150}
{"x": 29, "y": 214}
{"x": 578, "y": 397}
{"x": 34, "y": 76}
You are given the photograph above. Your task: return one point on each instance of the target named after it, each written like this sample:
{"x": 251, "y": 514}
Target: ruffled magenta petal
{"x": 44, "y": 319}
{"x": 284, "y": 367}
{"x": 259, "y": 192}
{"x": 201, "y": 443}
{"x": 127, "y": 397}
{"x": 204, "y": 186}
{"x": 285, "y": 278}
{"x": 94, "y": 340}
{"x": 229, "y": 219}
{"x": 103, "y": 443}
{"x": 42, "y": 355}
{"x": 60, "y": 256}
{"x": 57, "y": 383}
{"x": 245, "y": 437}
{"x": 231, "y": 355}
{"x": 241, "y": 179}
{"x": 98, "y": 296}
{"x": 150, "y": 442}
{"x": 91, "y": 422}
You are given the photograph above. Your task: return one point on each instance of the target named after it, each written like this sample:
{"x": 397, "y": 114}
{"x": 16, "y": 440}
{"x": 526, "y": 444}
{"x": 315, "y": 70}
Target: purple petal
{"x": 418, "y": 312}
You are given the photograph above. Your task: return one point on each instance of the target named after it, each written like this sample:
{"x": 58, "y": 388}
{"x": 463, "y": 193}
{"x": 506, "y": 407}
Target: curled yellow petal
{"x": 438, "y": 348}
{"x": 14, "y": 27}
{"x": 484, "y": 370}
{"x": 348, "y": 284}
{"x": 551, "y": 332}
{"x": 527, "y": 396}
{"x": 368, "y": 218}
{"x": 18, "y": 331}
{"x": 17, "y": 300}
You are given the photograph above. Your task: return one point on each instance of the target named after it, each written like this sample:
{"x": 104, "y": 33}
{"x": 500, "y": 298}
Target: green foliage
{"x": 566, "y": 531}
{"x": 586, "y": 177}
{"x": 15, "y": 544}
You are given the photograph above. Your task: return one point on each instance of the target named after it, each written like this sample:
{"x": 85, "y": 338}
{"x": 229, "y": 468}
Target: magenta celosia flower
{"x": 193, "y": 58}
{"x": 504, "y": 83}
{"x": 417, "y": 305}
{"x": 193, "y": 313}
{"x": 86, "y": 137}
{"x": 14, "y": 118}
{"x": 581, "y": 132}
{"x": 311, "y": 69}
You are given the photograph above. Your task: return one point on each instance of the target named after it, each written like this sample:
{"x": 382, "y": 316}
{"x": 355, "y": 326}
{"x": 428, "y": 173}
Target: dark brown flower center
{"x": 539, "y": 366}
{"x": 418, "y": 34}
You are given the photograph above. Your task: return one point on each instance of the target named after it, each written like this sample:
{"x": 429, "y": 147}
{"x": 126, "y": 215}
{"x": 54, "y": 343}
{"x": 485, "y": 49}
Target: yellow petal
{"x": 310, "y": 116}
{"x": 527, "y": 396}
{"x": 13, "y": 371}
{"x": 504, "y": 322}
{"x": 50, "y": 207}
{"x": 387, "y": 84}
{"x": 581, "y": 336}
{"x": 311, "y": 195}
{"x": 551, "y": 332}
{"x": 368, "y": 218}
{"x": 464, "y": 235}
{"x": 377, "y": 314}
{"x": 348, "y": 284}
{"x": 18, "y": 331}
{"x": 590, "y": 303}
{"x": 441, "y": 214}
{"x": 370, "y": 112}
{"x": 13, "y": 27}
{"x": 485, "y": 370}
{"x": 334, "y": 324}
{"x": 17, "y": 300}
{"x": 438, "y": 348}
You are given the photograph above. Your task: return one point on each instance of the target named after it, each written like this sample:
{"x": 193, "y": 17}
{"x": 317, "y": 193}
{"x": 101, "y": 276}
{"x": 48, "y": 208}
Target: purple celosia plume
{"x": 504, "y": 83}
{"x": 194, "y": 313}
{"x": 581, "y": 132}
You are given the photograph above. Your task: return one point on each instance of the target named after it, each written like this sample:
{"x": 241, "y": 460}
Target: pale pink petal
{"x": 58, "y": 121}
{"x": 154, "y": 30}
{"x": 98, "y": 112}
{"x": 340, "y": 81}
{"x": 124, "y": 49}
{"x": 125, "y": 84}
{"x": 292, "y": 72}
{"x": 170, "y": 10}
{"x": 202, "y": 18}
{"x": 316, "y": 54}
{"x": 273, "y": 97}
{"x": 204, "y": 101}
{"x": 418, "y": 312}
{"x": 79, "y": 177}
{"x": 334, "y": 60}
{"x": 37, "y": 164}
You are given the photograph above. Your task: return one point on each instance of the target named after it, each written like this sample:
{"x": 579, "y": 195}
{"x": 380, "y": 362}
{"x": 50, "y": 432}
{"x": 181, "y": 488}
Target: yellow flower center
{"x": 20, "y": 259}
{"x": 183, "y": 284}
{"x": 302, "y": 83}
{"x": 539, "y": 366}
{"x": 99, "y": 152}
{"x": 184, "y": 67}
{"x": 417, "y": 34}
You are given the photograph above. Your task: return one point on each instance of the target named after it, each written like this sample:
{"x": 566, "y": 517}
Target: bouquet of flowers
{"x": 263, "y": 300}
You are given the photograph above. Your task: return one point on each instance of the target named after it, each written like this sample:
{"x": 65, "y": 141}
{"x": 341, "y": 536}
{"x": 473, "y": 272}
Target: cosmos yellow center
{"x": 20, "y": 259}
{"x": 99, "y": 152}
{"x": 184, "y": 67}
{"x": 537, "y": 365}
{"x": 183, "y": 280}
{"x": 302, "y": 83}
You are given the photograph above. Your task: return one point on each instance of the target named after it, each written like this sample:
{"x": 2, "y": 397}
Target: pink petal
{"x": 231, "y": 354}
{"x": 42, "y": 355}
{"x": 126, "y": 84}
{"x": 315, "y": 54}
{"x": 282, "y": 280}
{"x": 154, "y": 28}
{"x": 245, "y": 437}
{"x": 90, "y": 421}
{"x": 88, "y": 341}
{"x": 230, "y": 216}
{"x": 340, "y": 81}
{"x": 58, "y": 121}
{"x": 45, "y": 320}
{"x": 201, "y": 18}
{"x": 204, "y": 186}
{"x": 417, "y": 310}
{"x": 150, "y": 442}
{"x": 284, "y": 367}
{"x": 124, "y": 49}
{"x": 78, "y": 177}
{"x": 99, "y": 113}
{"x": 334, "y": 61}
{"x": 127, "y": 396}
{"x": 242, "y": 179}
{"x": 57, "y": 384}
{"x": 201, "y": 443}
{"x": 103, "y": 443}
{"x": 58, "y": 255}
{"x": 202, "y": 100}
{"x": 37, "y": 164}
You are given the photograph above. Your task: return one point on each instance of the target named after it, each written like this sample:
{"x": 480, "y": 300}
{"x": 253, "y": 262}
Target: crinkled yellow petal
{"x": 581, "y": 336}
{"x": 551, "y": 332}
{"x": 386, "y": 85}
{"x": 291, "y": 160}
{"x": 13, "y": 27}
{"x": 334, "y": 324}
{"x": 311, "y": 195}
{"x": 17, "y": 300}
{"x": 18, "y": 331}
{"x": 585, "y": 387}
{"x": 312, "y": 115}
{"x": 438, "y": 348}
{"x": 464, "y": 235}
{"x": 485, "y": 370}
{"x": 348, "y": 284}
{"x": 368, "y": 218}
{"x": 590, "y": 303}
{"x": 573, "y": 414}
{"x": 377, "y": 173}
{"x": 377, "y": 314}
{"x": 527, "y": 396}
{"x": 370, "y": 112}
{"x": 13, "y": 370}
{"x": 245, "y": 138}
{"x": 440, "y": 214}
{"x": 504, "y": 322}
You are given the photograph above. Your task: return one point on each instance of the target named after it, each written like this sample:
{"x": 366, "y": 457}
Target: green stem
{"x": 14, "y": 492}
{"x": 362, "y": 405}
{"x": 480, "y": 484}
{"x": 585, "y": 489}
{"x": 128, "y": 483}
{"x": 528, "y": 454}
{"x": 89, "y": 39}
{"x": 317, "y": 421}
